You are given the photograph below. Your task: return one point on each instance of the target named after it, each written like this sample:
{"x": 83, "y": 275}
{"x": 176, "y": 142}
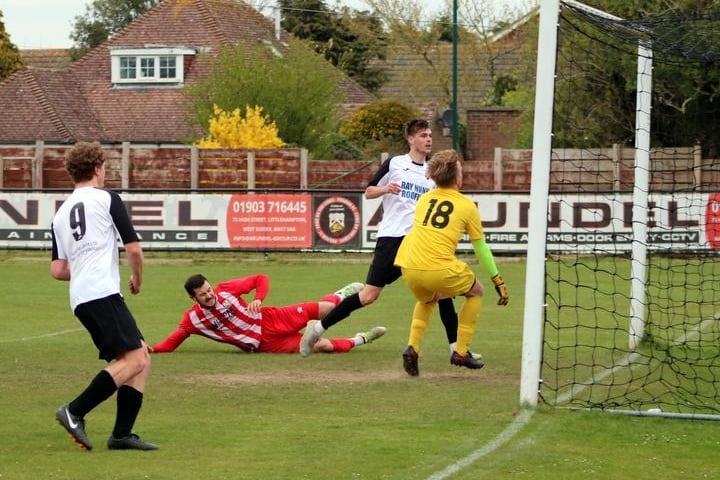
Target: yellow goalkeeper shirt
{"x": 441, "y": 218}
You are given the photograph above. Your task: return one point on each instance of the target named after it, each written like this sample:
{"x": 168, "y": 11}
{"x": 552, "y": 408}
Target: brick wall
{"x": 488, "y": 129}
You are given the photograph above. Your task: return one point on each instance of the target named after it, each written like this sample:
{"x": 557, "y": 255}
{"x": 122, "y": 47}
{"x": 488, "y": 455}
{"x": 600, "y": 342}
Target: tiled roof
{"x": 411, "y": 79}
{"x": 44, "y": 105}
{"x": 46, "y": 58}
{"x": 67, "y": 106}
{"x": 424, "y": 77}
{"x": 26, "y": 113}
{"x": 81, "y": 102}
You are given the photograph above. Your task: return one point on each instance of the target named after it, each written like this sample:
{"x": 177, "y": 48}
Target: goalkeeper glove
{"x": 501, "y": 289}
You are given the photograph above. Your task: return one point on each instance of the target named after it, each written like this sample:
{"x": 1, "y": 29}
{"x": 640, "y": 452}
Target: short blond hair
{"x": 442, "y": 168}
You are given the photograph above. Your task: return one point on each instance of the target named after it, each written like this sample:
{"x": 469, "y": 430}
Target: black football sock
{"x": 449, "y": 318}
{"x": 100, "y": 389}
{"x": 342, "y": 310}
{"x": 129, "y": 402}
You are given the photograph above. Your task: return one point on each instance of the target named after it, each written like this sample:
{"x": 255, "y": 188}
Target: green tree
{"x": 440, "y": 31}
{"x": 377, "y": 120}
{"x": 379, "y": 127}
{"x": 10, "y": 59}
{"x": 360, "y": 41}
{"x": 349, "y": 39}
{"x": 102, "y": 19}
{"x": 308, "y": 19}
{"x": 686, "y": 70}
{"x": 597, "y": 107}
{"x": 411, "y": 31}
{"x": 294, "y": 86}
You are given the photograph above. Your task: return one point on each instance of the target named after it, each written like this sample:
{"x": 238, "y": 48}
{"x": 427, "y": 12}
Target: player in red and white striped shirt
{"x": 221, "y": 314}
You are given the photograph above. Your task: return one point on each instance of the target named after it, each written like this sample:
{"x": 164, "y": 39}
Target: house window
{"x": 143, "y": 66}
{"x": 147, "y": 68}
{"x": 127, "y": 67}
{"x": 167, "y": 67}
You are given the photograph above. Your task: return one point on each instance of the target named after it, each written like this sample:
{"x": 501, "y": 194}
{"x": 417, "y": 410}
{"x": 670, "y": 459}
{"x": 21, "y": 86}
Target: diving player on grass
{"x": 221, "y": 314}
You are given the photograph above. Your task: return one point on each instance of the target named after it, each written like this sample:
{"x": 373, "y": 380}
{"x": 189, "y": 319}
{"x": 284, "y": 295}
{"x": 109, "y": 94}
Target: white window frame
{"x": 153, "y": 54}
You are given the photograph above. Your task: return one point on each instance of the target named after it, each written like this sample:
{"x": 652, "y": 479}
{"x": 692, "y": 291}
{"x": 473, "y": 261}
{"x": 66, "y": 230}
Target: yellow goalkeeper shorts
{"x": 429, "y": 285}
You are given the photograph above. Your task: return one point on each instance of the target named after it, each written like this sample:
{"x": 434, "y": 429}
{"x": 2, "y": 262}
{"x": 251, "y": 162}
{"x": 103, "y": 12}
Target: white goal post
{"x": 539, "y": 196}
{"x": 539, "y": 193}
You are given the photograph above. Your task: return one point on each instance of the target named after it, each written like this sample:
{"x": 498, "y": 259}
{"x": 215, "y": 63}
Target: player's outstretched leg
{"x": 314, "y": 329}
{"x": 372, "y": 334}
{"x": 349, "y": 289}
{"x": 310, "y": 337}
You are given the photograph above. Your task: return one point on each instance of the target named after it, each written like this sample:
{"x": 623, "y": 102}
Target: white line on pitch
{"x": 526, "y": 414}
{"x": 520, "y": 421}
{"x": 628, "y": 362}
{"x": 44, "y": 335}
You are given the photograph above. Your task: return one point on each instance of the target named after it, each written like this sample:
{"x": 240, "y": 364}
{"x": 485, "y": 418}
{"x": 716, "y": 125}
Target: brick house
{"x": 99, "y": 97}
{"x": 129, "y": 89}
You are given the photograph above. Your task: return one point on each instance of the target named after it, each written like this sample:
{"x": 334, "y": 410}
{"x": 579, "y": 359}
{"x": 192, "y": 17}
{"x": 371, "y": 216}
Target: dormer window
{"x": 143, "y": 66}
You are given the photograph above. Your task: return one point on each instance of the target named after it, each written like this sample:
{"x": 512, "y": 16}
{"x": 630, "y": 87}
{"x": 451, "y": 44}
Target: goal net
{"x": 630, "y": 311}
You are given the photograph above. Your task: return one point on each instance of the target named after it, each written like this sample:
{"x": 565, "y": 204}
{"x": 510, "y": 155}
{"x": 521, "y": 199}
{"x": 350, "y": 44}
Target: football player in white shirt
{"x": 85, "y": 253}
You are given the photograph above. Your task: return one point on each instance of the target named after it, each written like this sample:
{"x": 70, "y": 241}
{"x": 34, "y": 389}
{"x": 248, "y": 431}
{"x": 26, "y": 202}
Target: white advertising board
{"x": 297, "y": 221}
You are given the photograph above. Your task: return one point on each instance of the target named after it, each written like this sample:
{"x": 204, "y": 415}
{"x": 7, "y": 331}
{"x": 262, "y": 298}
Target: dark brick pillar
{"x": 488, "y": 129}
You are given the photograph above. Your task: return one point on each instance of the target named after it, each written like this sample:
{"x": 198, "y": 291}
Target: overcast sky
{"x": 48, "y": 23}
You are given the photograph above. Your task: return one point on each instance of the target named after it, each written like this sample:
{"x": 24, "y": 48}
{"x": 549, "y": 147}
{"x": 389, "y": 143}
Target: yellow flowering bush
{"x": 377, "y": 120}
{"x": 231, "y": 130}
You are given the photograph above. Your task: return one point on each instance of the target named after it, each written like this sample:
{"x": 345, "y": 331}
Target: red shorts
{"x": 281, "y": 326}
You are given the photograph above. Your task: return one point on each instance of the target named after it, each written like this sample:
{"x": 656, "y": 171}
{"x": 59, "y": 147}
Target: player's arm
{"x": 485, "y": 257}
{"x": 134, "y": 254}
{"x": 377, "y": 192}
{"x": 262, "y": 288}
{"x": 59, "y": 267}
{"x": 376, "y": 188}
{"x": 130, "y": 240}
{"x": 171, "y": 343}
{"x": 241, "y": 286}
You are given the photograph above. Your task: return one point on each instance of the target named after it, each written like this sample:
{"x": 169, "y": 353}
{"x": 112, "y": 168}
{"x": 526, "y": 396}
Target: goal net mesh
{"x": 587, "y": 359}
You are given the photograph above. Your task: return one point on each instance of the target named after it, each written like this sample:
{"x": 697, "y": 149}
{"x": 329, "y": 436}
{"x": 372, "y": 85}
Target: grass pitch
{"x": 218, "y": 413}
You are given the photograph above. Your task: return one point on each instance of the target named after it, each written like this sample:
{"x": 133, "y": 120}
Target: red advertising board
{"x": 712, "y": 221}
{"x": 269, "y": 221}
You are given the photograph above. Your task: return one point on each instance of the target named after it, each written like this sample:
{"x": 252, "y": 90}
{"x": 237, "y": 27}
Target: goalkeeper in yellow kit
{"x": 430, "y": 268}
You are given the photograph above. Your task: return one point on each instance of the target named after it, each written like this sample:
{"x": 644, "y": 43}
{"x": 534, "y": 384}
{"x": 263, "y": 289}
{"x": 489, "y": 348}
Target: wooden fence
{"x": 151, "y": 167}
{"x": 147, "y": 167}
{"x": 672, "y": 169}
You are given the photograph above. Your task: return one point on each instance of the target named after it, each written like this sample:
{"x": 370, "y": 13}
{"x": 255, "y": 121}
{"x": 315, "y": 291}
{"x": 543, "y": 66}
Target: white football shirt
{"x": 84, "y": 232}
{"x": 398, "y": 209}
